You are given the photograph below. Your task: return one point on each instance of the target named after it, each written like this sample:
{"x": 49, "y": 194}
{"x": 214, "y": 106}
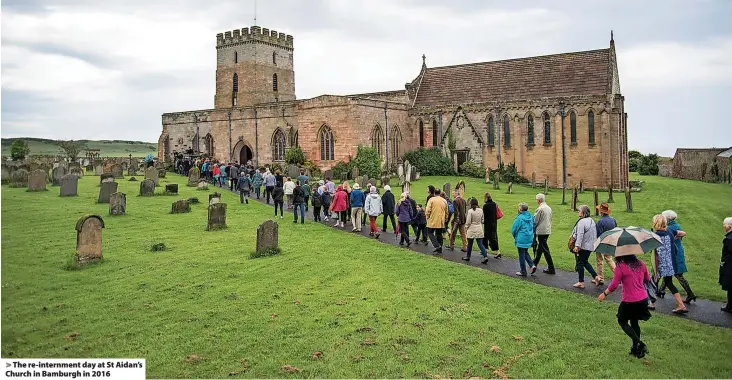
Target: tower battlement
{"x": 253, "y": 34}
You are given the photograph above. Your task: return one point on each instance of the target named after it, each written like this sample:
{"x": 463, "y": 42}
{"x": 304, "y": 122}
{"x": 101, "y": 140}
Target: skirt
{"x": 634, "y": 311}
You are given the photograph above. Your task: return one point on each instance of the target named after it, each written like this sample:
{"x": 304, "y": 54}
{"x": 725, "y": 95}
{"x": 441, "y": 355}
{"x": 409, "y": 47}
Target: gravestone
{"x": 106, "y": 176}
{"x": 401, "y": 180}
{"x": 413, "y": 173}
{"x": 400, "y": 170}
{"x": 328, "y": 174}
{"x": 131, "y": 170}
{"x": 267, "y": 236}
{"x": 596, "y": 200}
{"x": 446, "y": 188}
{"x": 194, "y": 175}
{"x": 510, "y": 188}
{"x": 147, "y": 188}
{"x": 610, "y": 194}
{"x": 69, "y": 185}
{"x": 216, "y": 216}
{"x": 89, "y": 239}
{"x": 582, "y": 186}
{"x": 98, "y": 169}
{"x": 132, "y": 179}
{"x": 77, "y": 172}
{"x": 152, "y": 174}
{"x": 214, "y": 198}
{"x": 105, "y": 191}
{"x": 416, "y": 178}
{"x": 293, "y": 171}
{"x": 180, "y": 207}
{"x": 171, "y": 188}
{"x": 118, "y": 171}
{"x": 202, "y": 185}
{"x": 344, "y": 177}
{"x": 19, "y": 178}
{"x": 533, "y": 179}
{"x": 161, "y": 173}
{"x": 628, "y": 200}
{"x": 37, "y": 180}
{"x": 385, "y": 180}
{"x": 56, "y": 174}
{"x": 546, "y": 186}
{"x": 354, "y": 173}
{"x": 5, "y": 173}
{"x": 117, "y": 203}
{"x": 574, "y": 198}
{"x": 89, "y": 168}
{"x": 496, "y": 180}
{"x": 363, "y": 180}
{"x": 74, "y": 165}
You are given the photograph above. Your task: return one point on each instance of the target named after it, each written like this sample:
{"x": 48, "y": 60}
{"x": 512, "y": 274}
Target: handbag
{"x": 499, "y": 213}
{"x": 572, "y": 239}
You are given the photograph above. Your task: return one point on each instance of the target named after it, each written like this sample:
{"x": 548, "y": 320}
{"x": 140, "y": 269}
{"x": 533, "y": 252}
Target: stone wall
{"x": 697, "y": 164}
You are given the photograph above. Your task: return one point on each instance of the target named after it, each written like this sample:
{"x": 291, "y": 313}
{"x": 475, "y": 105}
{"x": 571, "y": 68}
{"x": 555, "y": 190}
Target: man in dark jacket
{"x": 278, "y": 195}
{"x": 317, "y": 203}
{"x": 298, "y": 200}
{"x": 387, "y": 203}
{"x": 725, "y": 268}
{"x": 458, "y": 222}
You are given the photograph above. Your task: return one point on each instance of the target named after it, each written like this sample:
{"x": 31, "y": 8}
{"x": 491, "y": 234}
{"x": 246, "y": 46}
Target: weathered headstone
{"x": 354, "y": 173}
{"x": 117, "y": 203}
{"x": 118, "y": 172}
{"x": 105, "y": 190}
{"x": 488, "y": 175}
{"x": 202, "y": 185}
{"x": 610, "y": 194}
{"x": 194, "y": 175}
{"x": 19, "y": 178}
{"x": 401, "y": 180}
{"x": 418, "y": 176}
{"x": 344, "y": 177}
{"x": 152, "y": 174}
{"x": 37, "y": 180}
{"x": 171, "y": 188}
{"x": 214, "y": 198}
{"x": 89, "y": 168}
{"x": 628, "y": 200}
{"x": 74, "y": 165}
{"x": 56, "y": 174}
{"x": 385, "y": 180}
{"x": 216, "y": 216}
{"x": 131, "y": 170}
{"x": 69, "y": 185}
{"x": 77, "y": 171}
{"x": 413, "y": 172}
{"x": 363, "y": 180}
{"x": 546, "y": 186}
{"x": 400, "y": 170}
{"x": 180, "y": 207}
{"x": 328, "y": 174}
{"x": 293, "y": 171}
{"x": 574, "y": 198}
{"x": 161, "y": 173}
{"x": 496, "y": 180}
{"x": 106, "y": 176}
{"x": 596, "y": 200}
{"x": 98, "y": 169}
{"x": 533, "y": 179}
{"x": 446, "y": 189}
{"x": 582, "y": 186}
{"x": 89, "y": 239}
{"x": 510, "y": 188}
{"x": 147, "y": 188}
{"x": 267, "y": 236}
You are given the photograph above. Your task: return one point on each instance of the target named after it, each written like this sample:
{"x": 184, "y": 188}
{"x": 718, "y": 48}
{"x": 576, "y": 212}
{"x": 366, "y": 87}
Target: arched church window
{"x": 572, "y": 127}
{"x": 326, "y": 144}
{"x": 421, "y": 133}
{"x": 395, "y": 140}
{"x": 208, "y": 142}
{"x": 278, "y": 145}
{"x": 435, "y": 134}
{"x": 530, "y": 130}
{"x": 547, "y": 129}
{"x": 506, "y": 133}
{"x": 236, "y": 57}
{"x": 591, "y": 126}
{"x": 274, "y": 82}
{"x": 491, "y": 132}
{"x": 377, "y": 139}
{"x": 274, "y": 58}
{"x": 235, "y": 83}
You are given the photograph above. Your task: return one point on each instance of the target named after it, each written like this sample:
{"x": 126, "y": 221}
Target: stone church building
{"x": 510, "y": 110}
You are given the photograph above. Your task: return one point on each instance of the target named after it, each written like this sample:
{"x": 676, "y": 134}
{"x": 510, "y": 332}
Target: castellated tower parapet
{"x": 253, "y": 35}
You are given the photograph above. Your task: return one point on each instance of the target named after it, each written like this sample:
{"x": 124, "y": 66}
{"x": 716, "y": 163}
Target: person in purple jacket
{"x": 604, "y": 224}
{"x": 404, "y": 216}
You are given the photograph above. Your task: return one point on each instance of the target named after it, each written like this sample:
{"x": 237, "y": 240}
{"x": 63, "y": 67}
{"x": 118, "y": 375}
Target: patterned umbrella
{"x": 627, "y": 241}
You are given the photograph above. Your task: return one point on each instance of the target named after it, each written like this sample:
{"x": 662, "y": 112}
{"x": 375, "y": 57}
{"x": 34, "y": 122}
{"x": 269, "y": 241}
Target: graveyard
{"x": 165, "y": 284}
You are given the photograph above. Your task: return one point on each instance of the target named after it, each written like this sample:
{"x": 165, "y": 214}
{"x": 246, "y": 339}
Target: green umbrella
{"x": 623, "y": 241}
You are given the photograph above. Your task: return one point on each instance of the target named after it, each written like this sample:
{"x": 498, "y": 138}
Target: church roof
{"x": 557, "y": 75}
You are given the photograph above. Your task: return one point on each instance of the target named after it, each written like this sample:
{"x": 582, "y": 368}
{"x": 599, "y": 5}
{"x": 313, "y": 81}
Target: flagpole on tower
{"x": 255, "y": 12}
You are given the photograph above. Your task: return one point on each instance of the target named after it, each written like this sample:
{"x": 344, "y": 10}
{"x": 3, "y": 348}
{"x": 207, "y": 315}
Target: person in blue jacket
{"x": 357, "y": 199}
{"x": 523, "y": 235}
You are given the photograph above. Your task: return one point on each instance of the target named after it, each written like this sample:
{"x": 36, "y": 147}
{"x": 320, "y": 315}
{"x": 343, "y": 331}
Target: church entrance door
{"x": 245, "y": 155}
{"x": 462, "y": 157}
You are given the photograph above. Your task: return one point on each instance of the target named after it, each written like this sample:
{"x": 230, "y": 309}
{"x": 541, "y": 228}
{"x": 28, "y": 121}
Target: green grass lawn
{"x": 107, "y": 148}
{"x": 203, "y": 309}
{"x": 701, "y": 208}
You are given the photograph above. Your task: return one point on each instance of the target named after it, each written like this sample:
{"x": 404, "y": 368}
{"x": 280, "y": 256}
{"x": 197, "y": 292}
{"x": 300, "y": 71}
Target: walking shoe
{"x": 642, "y": 350}
{"x": 498, "y": 256}
{"x": 690, "y": 298}
{"x": 549, "y": 271}
{"x": 726, "y": 309}
{"x": 463, "y": 250}
{"x": 521, "y": 274}
{"x": 485, "y": 261}
{"x": 466, "y": 258}
{"x": 377, "y": 235}
{"x": 533, "y": 269}
{"x": 437, "y": 251}
{"x": 247, "y": 201}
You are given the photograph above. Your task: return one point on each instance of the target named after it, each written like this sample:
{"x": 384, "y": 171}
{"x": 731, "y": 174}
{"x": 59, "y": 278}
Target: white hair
{"x": 523, "y": 206}
{"x": 670, "y": 214}
{"x": 728, "y": 221}
{"x": 540, "y": 197}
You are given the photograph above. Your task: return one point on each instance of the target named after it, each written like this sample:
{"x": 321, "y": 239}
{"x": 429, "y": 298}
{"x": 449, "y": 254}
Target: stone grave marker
{"x": 117, "y": 203}
{"x": 69, "y": 185}
{"x": 171, "y": 188}
{"x": 161, "y": 173}
{"x": 328, "y": 174}
{"x": 74, "y": 165}
{"x": 488, "y": 176}
{"x": 546, "y": 186}
{"x": 131, "y": 170}
{"x": 582, "y": 186}
{"x": 194, "y": 175}
{"x": 202, "y": 185}
{"x": 628, "y": 200}
{"x": 401, "y": 180}
{"x": 132, "y": 179}
{"x": 77, "y": 172}
{"x": 413, "y": 173}
{"x": 147, "y": 188}
{"x": 56, "y": 174}
{"x": 267, "y": 236}
{"x": 98, "y": 169}
{"x": 216, "y": 216}
{"x": 37, "y": 180}
{"x": 5, "y": 173}
{"x": 105, "y": 191}
{"x": 417, "y": 177}
{"x": 293, "y": 171}
{"x": 610, "y": 194}
{"x": 596, "y": 200}
{"x": 118, "y": 172}
{"x": 214, "y": 198}
{"x": 152, "y": 174}
{"x": 19, "y": 178}
{"x": 574, "y": 198}
{"x": 446, "y": 188}
{"x": 354, "y": 173}
{"x": 400, "y": 170}
{"x": 510, "y": 188}
{"x": 179, "y": 207}
{"x": 106, "y": 176}
{"x": 533, "y": 179}
{"x": 496, "y": 180}
{"x": 89, "y": 239}
{"x": 89, "y": 168}
{"x": 385, "y": 180}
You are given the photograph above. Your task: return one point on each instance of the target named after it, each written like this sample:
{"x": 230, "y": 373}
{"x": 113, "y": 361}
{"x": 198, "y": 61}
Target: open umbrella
{"x": 623, "y": 241}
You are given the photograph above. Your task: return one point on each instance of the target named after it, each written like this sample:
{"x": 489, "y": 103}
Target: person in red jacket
{"x": 339, "y": 206}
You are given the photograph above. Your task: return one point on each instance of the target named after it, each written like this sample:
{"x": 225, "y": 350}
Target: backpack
{"x": 450, "y": 207}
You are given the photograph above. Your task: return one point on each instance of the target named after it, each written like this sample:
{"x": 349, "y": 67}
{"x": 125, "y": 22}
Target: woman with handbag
{"x": 666, "y": 256}
{"x": 491, "y": 214}
{"x": 582, "y": 243}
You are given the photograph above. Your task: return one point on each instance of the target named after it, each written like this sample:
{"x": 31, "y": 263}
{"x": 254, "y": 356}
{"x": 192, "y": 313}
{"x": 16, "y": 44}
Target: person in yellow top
{"x": 436, "y": 213}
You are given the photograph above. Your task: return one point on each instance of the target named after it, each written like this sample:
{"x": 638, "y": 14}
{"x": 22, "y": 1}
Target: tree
{"x": 648, "y": 165}
{"x": 71, "y": 148}
{"x": 368, "y": 161}
{"x": 295, "y": 156}
{"x": 634, "y": 160}
{"x": 18, "y": 150}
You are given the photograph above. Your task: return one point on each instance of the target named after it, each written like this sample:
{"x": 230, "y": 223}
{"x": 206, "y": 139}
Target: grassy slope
{"x": 204, "y": 297}
{"x": 107, "y": 148}
{"x": 701, "y": 208}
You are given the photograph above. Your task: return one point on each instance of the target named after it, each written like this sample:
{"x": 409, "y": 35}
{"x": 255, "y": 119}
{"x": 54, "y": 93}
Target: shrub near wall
{"x": 430, "y": 162}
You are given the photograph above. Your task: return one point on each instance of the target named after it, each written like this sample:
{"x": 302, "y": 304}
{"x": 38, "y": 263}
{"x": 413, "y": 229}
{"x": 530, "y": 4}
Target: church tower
{"x": 253, "y": 65}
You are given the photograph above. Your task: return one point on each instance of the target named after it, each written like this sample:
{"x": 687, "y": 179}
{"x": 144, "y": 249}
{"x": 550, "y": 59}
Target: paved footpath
{"x": 701, "y": 310}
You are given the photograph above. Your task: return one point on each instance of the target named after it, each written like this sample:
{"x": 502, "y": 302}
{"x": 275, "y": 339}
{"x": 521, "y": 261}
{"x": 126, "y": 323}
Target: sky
{"x": 87, "y": 69}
